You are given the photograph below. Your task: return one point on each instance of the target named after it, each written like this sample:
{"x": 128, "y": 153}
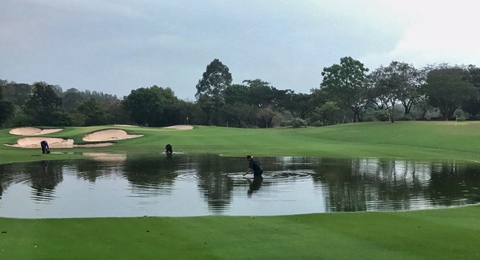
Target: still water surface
{"x": 201, "y": 185}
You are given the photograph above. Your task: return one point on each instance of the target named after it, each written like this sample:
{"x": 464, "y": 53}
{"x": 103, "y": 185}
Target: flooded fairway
{"x": 186, "y": 185}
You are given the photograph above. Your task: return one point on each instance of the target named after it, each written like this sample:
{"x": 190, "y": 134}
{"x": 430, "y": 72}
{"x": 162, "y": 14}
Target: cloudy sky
{"x": 115, "y": 46}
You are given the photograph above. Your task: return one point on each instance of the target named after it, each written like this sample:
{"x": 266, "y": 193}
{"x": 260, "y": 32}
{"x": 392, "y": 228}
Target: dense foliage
{"x": 347, "y": 93}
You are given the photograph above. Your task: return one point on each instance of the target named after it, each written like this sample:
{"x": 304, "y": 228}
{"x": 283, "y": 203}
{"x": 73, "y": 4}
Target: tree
{"x": 299, "y": 105}
{"x": 18, "y": 93}
{"x": 328, "y": 114}
{"x": 237, "y": 93}
{"x": 147, "y": 105}
{"x": 44, "y": 107}
{"x": 472, "y": 106}
{"x": 346, "y": 84}
{"x": 239, "y": 114}
{"x": 448, "y": 88}
{"x": 72, "y": 98}
{"x": 6, "y": 109}
{"x": 210, "y": 89}
{"x": 397, "y": 82}
{"x": 265, "y": 116}
{"x": 93, "y": 114}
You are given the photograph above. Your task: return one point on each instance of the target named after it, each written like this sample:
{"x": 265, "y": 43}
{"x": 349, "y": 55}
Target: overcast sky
{"x": 115, "y": 46}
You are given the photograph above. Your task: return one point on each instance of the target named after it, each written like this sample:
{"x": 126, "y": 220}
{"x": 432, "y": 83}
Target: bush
{"x": 298, "y": 122}
{"x": 317, "y": 123}
{"x": 460, "y": 115}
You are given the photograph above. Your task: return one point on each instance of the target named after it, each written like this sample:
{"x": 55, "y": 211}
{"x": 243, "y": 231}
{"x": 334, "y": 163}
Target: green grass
{"x": 412, "y": 140}
{"x": 430, "y": 234}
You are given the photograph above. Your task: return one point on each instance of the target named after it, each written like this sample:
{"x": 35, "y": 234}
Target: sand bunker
{"x": 108, "y": 135}
{"x": 179, "y": 127}
{"x": 34, "y": 142}
{"x": 107, "y": 157}
{"x": 127, "y": 125}
{"x": 33, "y": 131}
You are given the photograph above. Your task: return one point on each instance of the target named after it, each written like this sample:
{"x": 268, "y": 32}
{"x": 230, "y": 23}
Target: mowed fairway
{"x": 431, "y": 234}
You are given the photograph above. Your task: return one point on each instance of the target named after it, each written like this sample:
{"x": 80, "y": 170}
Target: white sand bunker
{"x": 34, "y": 142}
{"x": 33, "y": 131}
{"x": 179, "y": 127}
{"x": 108, "y": 135}
{"x": 109, "y": 157}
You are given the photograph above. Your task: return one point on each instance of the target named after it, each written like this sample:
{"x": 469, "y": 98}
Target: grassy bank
{"x": 430, "y": 234}
{"x": 413, "y": 140}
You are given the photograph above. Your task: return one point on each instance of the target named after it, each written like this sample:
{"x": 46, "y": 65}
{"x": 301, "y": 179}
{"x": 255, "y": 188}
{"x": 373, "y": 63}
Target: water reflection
{"x": 187, "y": 185}
{"x": 254, "y": 185}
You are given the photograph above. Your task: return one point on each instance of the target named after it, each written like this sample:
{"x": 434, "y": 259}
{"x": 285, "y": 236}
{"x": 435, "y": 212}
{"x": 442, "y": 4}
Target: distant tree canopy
{"x": 148, "y": 106}
{"x": 397, "y": 83}
{"x": 44, "y": 107}
{"x": 6, "y": 108}
{"x": 448, "y": 88}
{"x": 348, "y": 92}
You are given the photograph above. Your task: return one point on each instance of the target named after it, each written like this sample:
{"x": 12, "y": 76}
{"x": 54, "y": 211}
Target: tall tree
{"x": 210, "y": 89}
{"x": 472, "y": 106}
{"x": 72, "y": 98}
{"x": 448, "y": 88}
{"x": 6, "y": 108}
{"x": 147, "y": 105}
{"x": 299, "y": 105}
{"x": 396, "y": 82}
{"x": 262, "y": 94}
{"x": 237, "y": 93}
{"x": 346, "y": 84}
{"x": 18, "y": 93}
{"x": 93, "y": 114}
{"x": 44, "y": 107}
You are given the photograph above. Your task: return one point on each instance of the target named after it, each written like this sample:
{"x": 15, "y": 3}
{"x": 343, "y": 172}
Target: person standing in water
{"x": 168, "y": 151}
{"x": 254, "y": 166}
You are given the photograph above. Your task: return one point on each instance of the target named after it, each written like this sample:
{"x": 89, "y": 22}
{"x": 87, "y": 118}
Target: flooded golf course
{"x": 198, "y": 185}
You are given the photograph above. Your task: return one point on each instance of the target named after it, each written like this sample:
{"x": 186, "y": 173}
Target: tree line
{"x": 349, "y": 92}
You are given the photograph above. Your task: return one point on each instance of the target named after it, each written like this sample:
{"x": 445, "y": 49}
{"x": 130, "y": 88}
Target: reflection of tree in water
{"x": 344, "y": 185}
{"x": 384, "y": 184}
{"x": 91, "y": 170}
{"x": 4, "y": 182}
{"x": 213, "y": 182}
{"x": 453, "y": 184}
{"x": 152, "y": 172}
{"x": 42, "y": 176}
{"x": 45, "y": 179}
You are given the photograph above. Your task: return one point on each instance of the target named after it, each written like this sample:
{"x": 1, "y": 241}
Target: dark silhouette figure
{"x": 254, "y": 185}
{"x": 45, "y": 147}
{"x": 168, "y": 151}
{"x": 254, "y": 166}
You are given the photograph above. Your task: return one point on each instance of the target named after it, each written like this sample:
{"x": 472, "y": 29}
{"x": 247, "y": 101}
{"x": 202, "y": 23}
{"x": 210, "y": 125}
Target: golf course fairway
{"x": 427, "y": 234}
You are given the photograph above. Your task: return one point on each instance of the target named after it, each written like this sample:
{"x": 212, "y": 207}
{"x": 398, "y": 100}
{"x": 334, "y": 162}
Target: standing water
{"x": 199, "y": 185}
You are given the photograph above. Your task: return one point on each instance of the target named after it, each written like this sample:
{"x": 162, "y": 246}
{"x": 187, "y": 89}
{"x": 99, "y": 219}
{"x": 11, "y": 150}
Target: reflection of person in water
{"x": 45, "y": 166}
{"x": 254, "y": 185}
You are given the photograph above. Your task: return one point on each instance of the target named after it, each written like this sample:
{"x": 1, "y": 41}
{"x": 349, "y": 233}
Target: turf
{"x": 430, "y": 234}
